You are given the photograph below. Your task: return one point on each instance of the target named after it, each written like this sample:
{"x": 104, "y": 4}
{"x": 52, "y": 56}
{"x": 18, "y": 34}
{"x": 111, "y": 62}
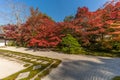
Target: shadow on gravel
{"x": 87, "y": 70}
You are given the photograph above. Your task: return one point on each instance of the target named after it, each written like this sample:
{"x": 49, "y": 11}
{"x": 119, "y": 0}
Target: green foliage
{"x": 15, "y": 43}
{"x": 26, "y": 65}
{"x": 116, "y": 78}
{"x": 106, "y": 45}
{"x": 110, "y": 30}
{"x": 116, "y": 45}
{"x": 11, "y": 43}
{"x": 101, "y": 46}
{"x": 70, "y": 45}
{"x": 69, "y": 18}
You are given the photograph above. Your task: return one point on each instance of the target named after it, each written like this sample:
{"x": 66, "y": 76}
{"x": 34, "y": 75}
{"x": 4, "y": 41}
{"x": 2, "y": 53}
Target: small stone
{"x": 33, "y": 59}
{"x": 29, "y": 58}
{"x": 24, "y": 57}
{"x": 17, "y": 56}
{"x": 36, "y": 67}
{"x": 45, "y": 62}
{"x": 10, "y": 55}
{"x": 39, "y": 61}
{"x": 22, "y": 75}
{"x": 20, "y": 58}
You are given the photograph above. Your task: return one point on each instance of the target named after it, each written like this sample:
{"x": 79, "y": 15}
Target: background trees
{"x": 38, "y": 31}
{"x": 91, "y": 29}
{"x": 17, "y": 12}
{"x": 68, "y": 18}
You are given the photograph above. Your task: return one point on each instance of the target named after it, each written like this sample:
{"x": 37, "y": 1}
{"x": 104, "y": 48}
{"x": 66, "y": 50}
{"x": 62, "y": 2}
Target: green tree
{"x": 70, "y": 45}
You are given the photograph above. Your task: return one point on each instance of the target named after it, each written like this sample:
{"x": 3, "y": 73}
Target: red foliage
{"x": 11, "y": 31}
{"x": 39, "y": 30}
{"x": 93, "y": 25}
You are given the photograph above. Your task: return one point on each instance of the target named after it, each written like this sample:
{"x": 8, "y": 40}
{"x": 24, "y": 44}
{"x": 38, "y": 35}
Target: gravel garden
{"x": 35, "y": 67}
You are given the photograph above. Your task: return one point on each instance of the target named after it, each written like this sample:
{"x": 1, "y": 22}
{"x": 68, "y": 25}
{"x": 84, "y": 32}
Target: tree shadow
{"x": 87, "y": 70}
{"x": 38, "y": 49}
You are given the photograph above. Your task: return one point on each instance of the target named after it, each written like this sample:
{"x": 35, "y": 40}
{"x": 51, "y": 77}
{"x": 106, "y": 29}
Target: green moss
{"x": 26, "y": 65}
{"x": 116, "y": 78}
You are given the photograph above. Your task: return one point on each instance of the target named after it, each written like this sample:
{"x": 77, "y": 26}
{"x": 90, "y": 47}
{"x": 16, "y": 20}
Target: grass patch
{"x": 26, "y": 65}
{"x": 116, "y": 78}
{"x": 112, "y": 53}
{"x": 102, "y": 53}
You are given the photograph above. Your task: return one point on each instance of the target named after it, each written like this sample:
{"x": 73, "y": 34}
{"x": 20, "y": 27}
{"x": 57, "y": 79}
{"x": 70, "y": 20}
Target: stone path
{"x": 22, "y": 75}
{"x": 37, "y": 65}
{"x": 78, "y": 67}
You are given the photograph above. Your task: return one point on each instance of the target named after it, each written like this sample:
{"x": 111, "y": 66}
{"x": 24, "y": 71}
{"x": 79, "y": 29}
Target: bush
{"x": 101, "y": 46}
{"x": 116, "y": 45}
{"x": 106, "y": 46}
{"x": 70, "y": 45}
{"x": 15, "y": 43}
{"x": 11, "y": 43}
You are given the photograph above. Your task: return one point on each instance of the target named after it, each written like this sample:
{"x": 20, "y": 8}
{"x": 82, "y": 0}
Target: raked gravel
{"x": 77, "y": 67}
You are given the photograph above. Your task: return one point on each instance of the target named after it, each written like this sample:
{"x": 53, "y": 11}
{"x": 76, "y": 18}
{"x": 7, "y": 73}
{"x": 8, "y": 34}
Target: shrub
{"x": 11, "y": 43}
{"x": 101, "y": 46}
{"x": 106, "y": 45}
{"x": 70, "y": 45}
{"x": 116, "y": 45}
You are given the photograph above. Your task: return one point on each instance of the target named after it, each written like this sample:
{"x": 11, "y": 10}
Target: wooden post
{"x": 5, "y": 40}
